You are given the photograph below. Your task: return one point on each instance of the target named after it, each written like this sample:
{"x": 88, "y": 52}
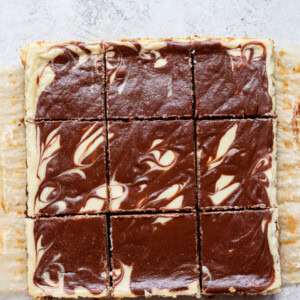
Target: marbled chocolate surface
{"x": 154, "y": 255}
{"x": 70, "y": 256}
{"x": 236, "y": 255}
{"x": 231, "y": 81}
{"x": 151, "y": 165}
{"x": 76, "y": 91}
{"x": 236, "y": 163}
{"x": 66, "y": 168}
{"x": 149, "y": 78}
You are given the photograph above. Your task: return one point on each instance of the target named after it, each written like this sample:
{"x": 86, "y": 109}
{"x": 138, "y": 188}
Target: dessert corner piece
{"x": 149, "y": 78}
{"x": 236, "y": 163}
{"x": 156, "y": 171}
{"x": 64, "y": 80}
{"x": 239, "y": 252}
{"x": 66, "y": 171}
{"x": 234, "y": 77}
{"x": 154, "y": 255}
{"x": 67, "y": 257}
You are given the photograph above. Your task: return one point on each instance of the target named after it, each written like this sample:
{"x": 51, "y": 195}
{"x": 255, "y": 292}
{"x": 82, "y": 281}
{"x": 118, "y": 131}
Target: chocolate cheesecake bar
{"x": 151, "y": 165}
{"x": 64, "y": 80}
{"x": 145, "y": 136}
{"x": 66, "y": 168}
{"x": 234, "y": 77}
{"x": 154, "y": 255}
{"x": 236, "y": 163}
{"x": 239, "y": 252}
{"x": 149, "y": 78}
{"x": 67, "y": 257}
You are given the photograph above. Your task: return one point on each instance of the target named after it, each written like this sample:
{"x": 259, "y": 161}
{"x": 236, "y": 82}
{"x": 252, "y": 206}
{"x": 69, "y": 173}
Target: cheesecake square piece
{"x": 237, "y": 165}
{"x": 151, "y": 165}
{"x": 67, "y": 257}
{"x": 239, "y": 252}
{"x": 66, "y": 171}
{"x": 64, "y": 80}
{"x": 149, "y": 78}
{"x": 154, "y": 255}
{"x": 234, "y": 77}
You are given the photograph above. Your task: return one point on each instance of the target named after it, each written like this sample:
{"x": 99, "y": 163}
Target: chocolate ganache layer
{"x": 236, "y": 163}
{"x": 236, "y": 252}
{"x": 66, "y": 168}
{"x": 75, "y": 89}
{"x": 151, "y": 165}
{"x": 69, "y": 257}
{"x": 232, "y": 81}
{"x": 154, "y": 255}
{"x": 147, "y": 78}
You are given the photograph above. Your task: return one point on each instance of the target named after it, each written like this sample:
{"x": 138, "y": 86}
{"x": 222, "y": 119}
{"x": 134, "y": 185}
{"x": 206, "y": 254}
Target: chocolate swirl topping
{"x": 235, "y": 252}
{"x": 71, "y": 174}
{"x": 231, "y": 84}
{"x": 235, "y": 163}
{"x": 71, "y": 253}
{"x": 152, "y": 168}
{"x": 156, "y": 172}
{"x": 147, "y": 79}
{"x": 77, "y": 89}
{"x": 153, "y": 253}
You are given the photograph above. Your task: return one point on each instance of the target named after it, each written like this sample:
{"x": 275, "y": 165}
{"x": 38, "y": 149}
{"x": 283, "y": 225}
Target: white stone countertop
{"x": 27, "y": 21}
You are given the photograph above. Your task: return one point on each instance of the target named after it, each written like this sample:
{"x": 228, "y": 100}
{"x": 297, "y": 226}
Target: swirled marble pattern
{"x": 239, "y": 252}
{"x": 154, "y": 255}
{"x": 151, "y": 165}
{"x": 237, "y": 166}
{"x": 64, "y": 80}
{"x": 234, "y": 77}
{"x": 148, "y": 78}
{"x": 66, "y": 168}
{"x": 67, "y": 257}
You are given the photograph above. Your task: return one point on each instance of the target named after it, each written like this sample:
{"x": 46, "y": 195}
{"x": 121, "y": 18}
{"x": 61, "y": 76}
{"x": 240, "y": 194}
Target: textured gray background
{"x": 26, "y": 21}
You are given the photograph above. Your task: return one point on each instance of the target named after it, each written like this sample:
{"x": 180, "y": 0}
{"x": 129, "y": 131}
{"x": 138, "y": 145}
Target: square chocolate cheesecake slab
{"x": 149, "y": 78}
{"x": 66, "y": 167}
{"x": 234, "y": 77}
{"x": 151, "y": 165}
{"x": 67, "y": 257}
{"x": 239, "y": 252}
{"x": 236, "y": 163}
{"x": 154, "y": 255}
{"x": 64, "y": 80}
